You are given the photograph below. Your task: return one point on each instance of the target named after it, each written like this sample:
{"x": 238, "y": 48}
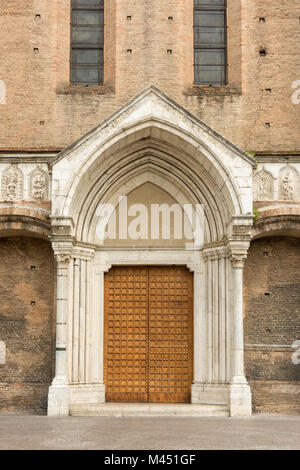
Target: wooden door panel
{"x": 126, "y": 334}
{"x": 148, "y": 334}
{"x": 170, "y": 334}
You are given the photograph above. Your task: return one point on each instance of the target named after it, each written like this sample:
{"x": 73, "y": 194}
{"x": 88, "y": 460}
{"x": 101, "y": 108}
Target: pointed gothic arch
{"x": 152, "y": 139}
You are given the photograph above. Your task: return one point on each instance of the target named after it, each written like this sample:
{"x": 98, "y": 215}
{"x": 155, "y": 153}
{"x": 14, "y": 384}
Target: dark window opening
{"x": 87, "y": 42}
{"x": 210, "y": 55}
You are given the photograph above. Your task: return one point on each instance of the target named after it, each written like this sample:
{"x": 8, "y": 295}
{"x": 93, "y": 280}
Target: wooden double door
{"x": 148, "y": 334}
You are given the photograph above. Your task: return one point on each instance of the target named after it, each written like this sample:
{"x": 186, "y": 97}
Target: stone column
{"x": 87, "y": 385}
{"x": 199, "y": 332}
{"x": 86, "y": 348}
{"x": 240, "y": 394}
{"x": 59, "y": 396}
{"x": 98, "y": 330}
{"x": 209, "y": 329}
{"x": 238, "y": 376}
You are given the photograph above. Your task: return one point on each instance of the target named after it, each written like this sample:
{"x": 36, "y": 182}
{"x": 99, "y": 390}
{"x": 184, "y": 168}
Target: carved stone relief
{"x": 288, "y": 183}
{"x": 38, "y": 184}
{"x": 263, "y": 185}
{"x": 12, "y": 184}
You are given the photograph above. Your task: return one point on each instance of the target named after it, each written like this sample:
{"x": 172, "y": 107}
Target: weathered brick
{"x": 272, "y": 312}
{"x": 27, "y": 330}
{"x": 38, "y": 86}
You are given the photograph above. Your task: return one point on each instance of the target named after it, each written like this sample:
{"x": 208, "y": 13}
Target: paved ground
{"x": 257, "y": 432}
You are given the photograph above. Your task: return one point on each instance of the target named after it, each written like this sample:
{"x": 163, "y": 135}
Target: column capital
{"x": 82, "y": 252}
{"x": 214, "y": 253}
{"x": 237, "y": 252}
{"x": 63, "y": 258}
{"x": 62, "y": 251}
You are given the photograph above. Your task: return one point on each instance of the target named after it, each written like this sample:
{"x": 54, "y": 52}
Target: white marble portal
{"x": 152, "y": 139}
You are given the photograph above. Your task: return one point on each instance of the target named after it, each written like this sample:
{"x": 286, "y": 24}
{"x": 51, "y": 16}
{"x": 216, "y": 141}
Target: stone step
{"x": 148, "y": 409}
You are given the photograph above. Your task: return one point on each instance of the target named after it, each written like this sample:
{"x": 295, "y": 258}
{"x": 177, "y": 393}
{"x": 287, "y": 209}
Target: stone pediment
{"x": 153, "y": 134}
{"x": 152, "y": 104}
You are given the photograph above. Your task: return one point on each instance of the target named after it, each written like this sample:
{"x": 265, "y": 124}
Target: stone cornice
{"x": 27, "y": 157}
{"x": 291, "y": 157}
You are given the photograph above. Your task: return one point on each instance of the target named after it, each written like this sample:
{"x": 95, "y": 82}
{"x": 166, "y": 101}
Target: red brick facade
{"x": 42, "y": 114}
{"x": 27, "y": 323}
{"x": 272, "y": 312}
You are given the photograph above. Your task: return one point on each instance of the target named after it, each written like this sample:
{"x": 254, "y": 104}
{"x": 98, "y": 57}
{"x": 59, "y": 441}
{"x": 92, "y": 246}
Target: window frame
{"x": 209, "y": 47}
{"x": 96, "y": 6}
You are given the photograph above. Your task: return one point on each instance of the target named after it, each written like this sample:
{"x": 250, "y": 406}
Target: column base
{"x": 235, "y": 396}
{"x": 87, "y": 394}
{"x": 240, "y": 401}
{"x": 58, "y": 400}
{"x": 210, "y": 394}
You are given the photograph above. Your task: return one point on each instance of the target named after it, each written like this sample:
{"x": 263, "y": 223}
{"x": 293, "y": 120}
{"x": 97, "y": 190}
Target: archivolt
{"x": 123, "y": 174}
{"x": 187, "y": 171}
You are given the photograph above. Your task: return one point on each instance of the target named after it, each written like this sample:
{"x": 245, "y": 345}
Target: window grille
{"x": 210, "y": 55}
{"x": 87, "y": 42}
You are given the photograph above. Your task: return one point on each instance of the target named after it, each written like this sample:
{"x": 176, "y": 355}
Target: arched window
{"x": 210, "y": 42}
{"x": 87, "y": 42}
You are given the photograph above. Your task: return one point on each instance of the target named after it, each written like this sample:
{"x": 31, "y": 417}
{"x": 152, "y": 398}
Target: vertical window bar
{"x": 210, "y": 42}
{"x": 87, "y": 41}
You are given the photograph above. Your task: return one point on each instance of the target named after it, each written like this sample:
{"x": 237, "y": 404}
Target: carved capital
{"x": 238, "y": 260}
{"x": 61, "y": 227}
{"x": 38, "y": 184}
{"x": 63, "y": 259}
{"x": 237, "y": 253}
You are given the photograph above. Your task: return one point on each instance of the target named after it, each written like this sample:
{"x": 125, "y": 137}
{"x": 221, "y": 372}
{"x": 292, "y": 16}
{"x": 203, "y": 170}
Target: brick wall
{"x": 27, "y": 329}
{"x": 272, "y": 312}
{"x": 43, "y": 112}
